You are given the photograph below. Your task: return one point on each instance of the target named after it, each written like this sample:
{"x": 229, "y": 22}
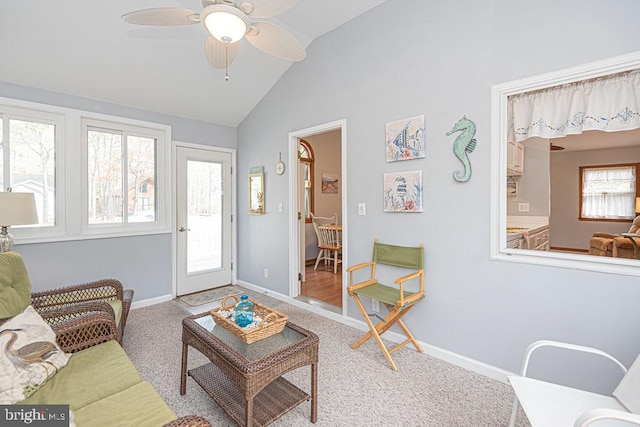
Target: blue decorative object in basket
{"x": 244, "y": 312}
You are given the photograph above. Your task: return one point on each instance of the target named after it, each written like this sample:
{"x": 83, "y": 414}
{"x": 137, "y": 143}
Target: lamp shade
{"x": 17, "y": 208}
{"x": 637, "y": 204}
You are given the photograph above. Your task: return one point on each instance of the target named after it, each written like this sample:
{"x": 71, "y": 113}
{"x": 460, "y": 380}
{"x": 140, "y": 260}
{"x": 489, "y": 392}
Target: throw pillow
{"x": 29, "y": 356}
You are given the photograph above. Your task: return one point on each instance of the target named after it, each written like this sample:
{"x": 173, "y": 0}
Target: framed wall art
{"x": 403, "y": 191}
{"x": 329, "y": 183}
{"x": 405, "y": 139}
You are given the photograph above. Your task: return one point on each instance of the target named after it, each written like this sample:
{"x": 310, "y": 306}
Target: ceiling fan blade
{"x": 266, "y": 8}
{"x": 219, "y": 54}
{"x": 162, "y": 16}
{"x": 274, "y": 40}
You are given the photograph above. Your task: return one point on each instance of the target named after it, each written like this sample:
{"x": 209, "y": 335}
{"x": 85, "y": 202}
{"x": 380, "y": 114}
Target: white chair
{"x": 552, "y": 405}
{"x": 329, "y": 244}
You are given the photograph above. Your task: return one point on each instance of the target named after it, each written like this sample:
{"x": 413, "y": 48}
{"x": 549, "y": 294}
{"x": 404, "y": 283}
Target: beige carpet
{"x": 208, "y": 296}
{"x": 355, "y": 387}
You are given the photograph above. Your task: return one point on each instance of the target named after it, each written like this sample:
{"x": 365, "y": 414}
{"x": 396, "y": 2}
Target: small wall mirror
{"x": 256, "y": 193}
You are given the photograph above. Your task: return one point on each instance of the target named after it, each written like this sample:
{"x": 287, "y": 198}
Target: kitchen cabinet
{"x": 515, "y": 158}
{"x": 528, "y": 232}
{"x": 538, "y": 239}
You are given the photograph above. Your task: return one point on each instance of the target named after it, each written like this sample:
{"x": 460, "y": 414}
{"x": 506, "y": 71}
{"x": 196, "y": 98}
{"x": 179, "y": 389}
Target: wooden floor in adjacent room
{"x": 322, "y": 284}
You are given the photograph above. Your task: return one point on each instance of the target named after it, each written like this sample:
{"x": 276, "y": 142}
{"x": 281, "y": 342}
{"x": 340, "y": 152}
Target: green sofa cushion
{"x": 137, "y": 406}
{"x": 90, "y": 375}
{"x": 15, "y": 287}
{"x": 116, "y": 304}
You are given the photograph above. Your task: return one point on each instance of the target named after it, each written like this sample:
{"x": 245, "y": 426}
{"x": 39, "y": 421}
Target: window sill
{"x": 92, "y": 236}
{"x": 621, "y": 266}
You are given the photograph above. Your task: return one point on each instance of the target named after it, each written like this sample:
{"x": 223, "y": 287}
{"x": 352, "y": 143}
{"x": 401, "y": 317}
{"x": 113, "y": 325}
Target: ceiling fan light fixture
{"x": 224, "y": 22}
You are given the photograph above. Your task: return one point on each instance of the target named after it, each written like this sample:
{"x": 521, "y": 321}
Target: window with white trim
{"x": 30, "y": 162}
{"x": 123, "y": 163}
{"x": 92, "y": 175}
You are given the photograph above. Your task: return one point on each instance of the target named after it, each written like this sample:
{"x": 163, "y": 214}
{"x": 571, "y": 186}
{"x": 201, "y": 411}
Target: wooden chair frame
{"x": 398, "y": 303}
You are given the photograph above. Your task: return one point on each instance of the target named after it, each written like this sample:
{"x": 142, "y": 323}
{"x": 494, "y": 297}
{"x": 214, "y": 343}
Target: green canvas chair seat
{"x": 383, "y": 293}
{"x": 16, "y": 295}
{"x": 396, "y": 298}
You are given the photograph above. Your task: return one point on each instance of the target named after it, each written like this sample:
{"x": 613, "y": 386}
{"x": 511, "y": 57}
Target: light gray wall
{"x": 439, "y": 58}
{"x": 141, "y": 263}
{"x": 565, "y": 230}
{"x": 534, "y": 182}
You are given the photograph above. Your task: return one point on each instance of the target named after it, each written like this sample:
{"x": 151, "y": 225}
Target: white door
{"x": 203, "y": 244}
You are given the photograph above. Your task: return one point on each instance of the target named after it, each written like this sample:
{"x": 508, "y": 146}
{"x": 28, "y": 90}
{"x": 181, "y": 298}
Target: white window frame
{"x": 499, "y": 129}
{"x": 8, "y": 112}
{"x": 71, "y": 169}
{"x": 163, "y": 198}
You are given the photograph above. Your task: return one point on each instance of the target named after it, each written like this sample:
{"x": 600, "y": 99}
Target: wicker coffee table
{"x": 246, "y": 379}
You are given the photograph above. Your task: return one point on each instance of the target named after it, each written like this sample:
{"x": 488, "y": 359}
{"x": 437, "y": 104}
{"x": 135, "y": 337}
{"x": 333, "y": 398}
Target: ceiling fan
{"x": 227, "y": 22}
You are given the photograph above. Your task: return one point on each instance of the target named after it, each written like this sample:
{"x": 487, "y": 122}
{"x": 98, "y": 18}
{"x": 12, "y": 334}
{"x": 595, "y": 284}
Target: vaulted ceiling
{"x": 84, "y": 48}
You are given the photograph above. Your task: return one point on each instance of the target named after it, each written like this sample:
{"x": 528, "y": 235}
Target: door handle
{"x": 182, "y": 229}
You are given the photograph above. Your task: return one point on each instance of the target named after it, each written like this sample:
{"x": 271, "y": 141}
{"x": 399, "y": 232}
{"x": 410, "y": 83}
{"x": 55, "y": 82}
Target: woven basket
{"x": 272, "y": 321}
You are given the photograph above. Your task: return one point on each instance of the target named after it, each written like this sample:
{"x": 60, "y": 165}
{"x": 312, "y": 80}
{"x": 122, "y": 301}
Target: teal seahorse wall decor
{"x": 464, "y": 144}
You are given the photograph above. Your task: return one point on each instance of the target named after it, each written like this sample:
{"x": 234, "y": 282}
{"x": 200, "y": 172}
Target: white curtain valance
{"x": 607, "y": 104}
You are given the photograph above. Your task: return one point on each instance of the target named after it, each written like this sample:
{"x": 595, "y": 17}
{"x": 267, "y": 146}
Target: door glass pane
{"x": 32, "y": 164}
{"x": 141, "y": 179}
{"x": 204, "y": 211}
{"x": 105, "y": 177}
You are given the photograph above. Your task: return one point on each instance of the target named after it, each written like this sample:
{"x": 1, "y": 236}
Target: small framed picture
{"x": 403, "y": 191}
{"x": 329, "y": 183}
{"x": 512, "y": 188}
{"x": 405, "y": 139}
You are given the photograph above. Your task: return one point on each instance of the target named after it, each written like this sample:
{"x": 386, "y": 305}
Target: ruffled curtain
{"x": 607, "y": 104}
{"x": 609, "y": 192}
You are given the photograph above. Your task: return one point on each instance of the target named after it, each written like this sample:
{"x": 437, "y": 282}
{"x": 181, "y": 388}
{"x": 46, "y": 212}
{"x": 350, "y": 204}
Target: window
{"x": 305, "y": 155}
{"x": 29, "y": 161}
{"x": 503, "y": 129}
{"x": 608, "y": 193}
{"x": 121, "y": 175}
{"x": 92, "y": 175}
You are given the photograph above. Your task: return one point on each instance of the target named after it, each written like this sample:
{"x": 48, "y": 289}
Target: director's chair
{"x": 397, "y": 300}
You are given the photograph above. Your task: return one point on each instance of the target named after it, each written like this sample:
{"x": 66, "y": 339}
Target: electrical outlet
{"x": 362, "y": 208}
{"x": 523, "y": 207}
{"x": 266, "y": 273}
{"x": 375, "y": 305}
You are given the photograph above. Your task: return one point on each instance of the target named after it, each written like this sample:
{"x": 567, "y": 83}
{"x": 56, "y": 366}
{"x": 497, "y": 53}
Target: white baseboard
{"x": 473, "y": 365}
{"x": 151, "y": 301}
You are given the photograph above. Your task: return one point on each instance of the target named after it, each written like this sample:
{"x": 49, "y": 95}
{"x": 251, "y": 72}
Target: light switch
{"x": 362, "y": 208}
{"x": 279, "y": 206}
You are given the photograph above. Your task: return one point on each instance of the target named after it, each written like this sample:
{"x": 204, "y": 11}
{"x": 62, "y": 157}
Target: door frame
{"x": 174, "y": 210}
{"x": 294, "y": 234}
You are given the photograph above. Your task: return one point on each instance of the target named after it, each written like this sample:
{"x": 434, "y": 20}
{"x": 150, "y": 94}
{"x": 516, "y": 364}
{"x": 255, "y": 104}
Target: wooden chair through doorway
{"x": 398, "y": 300}
{"x": 329, "y": 240}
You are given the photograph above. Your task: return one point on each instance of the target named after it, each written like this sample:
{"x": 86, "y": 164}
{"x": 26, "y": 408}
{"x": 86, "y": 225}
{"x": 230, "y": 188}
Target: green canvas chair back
{"x": 399, "y": 256}
{"x": 15, "y": 287}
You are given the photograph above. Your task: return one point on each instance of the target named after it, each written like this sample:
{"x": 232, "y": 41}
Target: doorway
{"x": 318, "y": 185}
{"x": 203, "y": 219}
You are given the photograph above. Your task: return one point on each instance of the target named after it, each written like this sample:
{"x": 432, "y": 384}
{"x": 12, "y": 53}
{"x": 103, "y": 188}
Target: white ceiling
{"x": 597, "y": 140}
{"x": 84, "y": 48}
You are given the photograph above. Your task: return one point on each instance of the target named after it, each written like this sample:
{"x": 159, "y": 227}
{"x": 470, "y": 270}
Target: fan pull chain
{"x": 226, "y": 62}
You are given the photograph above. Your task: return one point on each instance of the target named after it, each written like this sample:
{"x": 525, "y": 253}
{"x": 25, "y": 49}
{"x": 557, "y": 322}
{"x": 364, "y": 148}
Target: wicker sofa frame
{"x": 98, "y": 291}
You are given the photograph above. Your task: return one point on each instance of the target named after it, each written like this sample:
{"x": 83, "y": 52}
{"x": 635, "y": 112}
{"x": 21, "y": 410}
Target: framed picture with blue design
{"x": 403, "y": 191}
{"x": 405, "y": 139}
